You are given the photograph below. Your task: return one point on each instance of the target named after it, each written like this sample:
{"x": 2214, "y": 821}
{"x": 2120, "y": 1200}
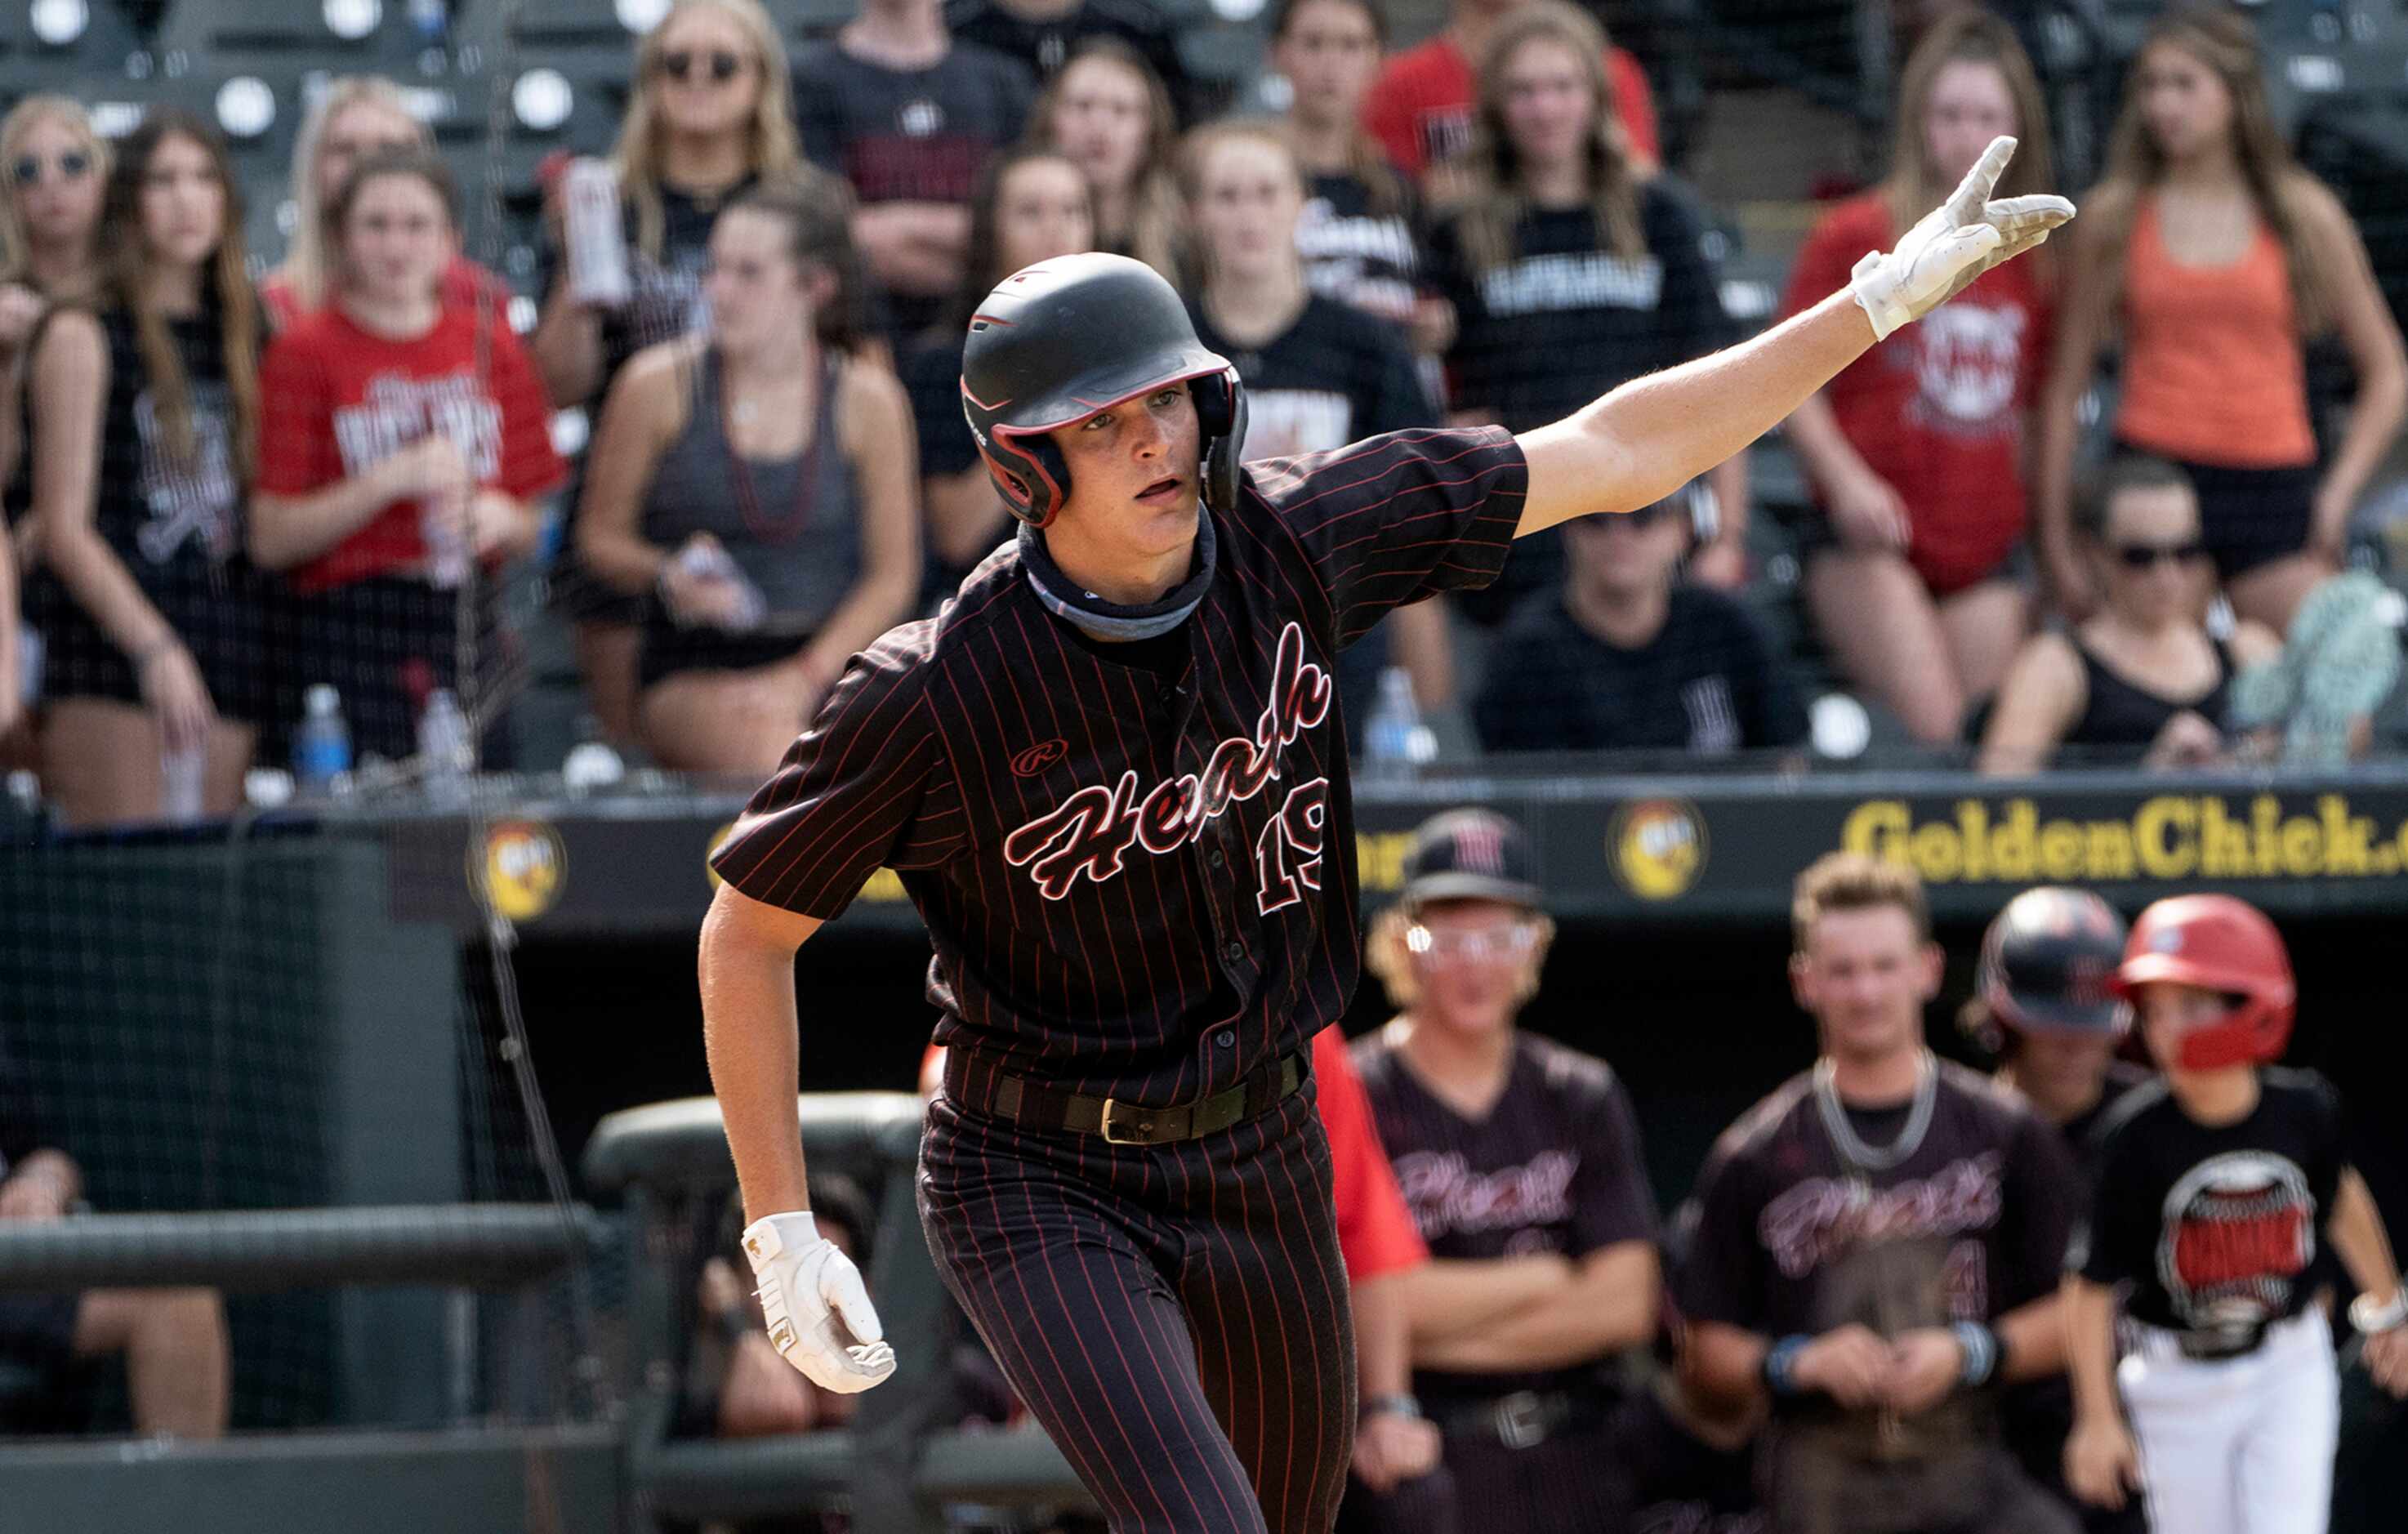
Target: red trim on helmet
{"x": 980, "y": 402}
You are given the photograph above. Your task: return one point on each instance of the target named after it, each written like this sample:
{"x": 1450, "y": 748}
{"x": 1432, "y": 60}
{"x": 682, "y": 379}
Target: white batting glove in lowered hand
{"x": 817, "y": 1311}
{"x": 1956, "y": 242}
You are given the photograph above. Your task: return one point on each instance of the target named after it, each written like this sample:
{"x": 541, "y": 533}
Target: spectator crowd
{"x": 226, "y": 497}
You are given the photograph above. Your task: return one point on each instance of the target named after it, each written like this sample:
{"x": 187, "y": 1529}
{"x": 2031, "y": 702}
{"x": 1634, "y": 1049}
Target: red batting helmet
{"x": 2217, "y": 943}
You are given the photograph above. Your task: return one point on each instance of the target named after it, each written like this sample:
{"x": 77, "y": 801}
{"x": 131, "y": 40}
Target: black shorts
{"x": 217, "y": 614}
{"x": 383, "y": 643}
{"x": 38, "y": 1331}
{"x": 670, "y": 651}
{"x": 2249, "y": 517}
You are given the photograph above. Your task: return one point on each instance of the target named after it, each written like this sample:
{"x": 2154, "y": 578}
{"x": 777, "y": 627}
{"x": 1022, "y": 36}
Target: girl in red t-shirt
{"x": 1916, "y": 451}
{"x": 399, "y": 435}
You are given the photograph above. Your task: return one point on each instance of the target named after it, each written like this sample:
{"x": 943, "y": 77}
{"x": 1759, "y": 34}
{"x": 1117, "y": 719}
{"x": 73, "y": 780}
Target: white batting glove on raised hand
{"x": 817, "y": 1311}
{"x": 1956, "y": 242}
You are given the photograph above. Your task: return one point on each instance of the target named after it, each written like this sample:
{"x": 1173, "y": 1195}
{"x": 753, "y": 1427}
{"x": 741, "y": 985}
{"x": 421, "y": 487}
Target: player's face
{"x": 1248, "y": 197}
{"x": 1042, "y": 210}
{"x": 1099, "y": 120}
{"x": 1866, "y": 976}
{"x": 396, "y": 239}
{"x": 1330, "y": 53}
{"x": 182, "y": 203}
{"x": 1133, "y": 474}
{"x": 2157, "y": 566}
{"x": 1548, "y": 109}
{"x": 1469, "y": 958}
{"x": 1969, "y": 105}
{"x": 2168, "y": 1010}
{"x": 2185, "y": 105}
{"x": 358, "y": 131}
{"x": 2064, "y": 1067}
{"x": 56, "y": 174}
{"x": 706, "y": 75}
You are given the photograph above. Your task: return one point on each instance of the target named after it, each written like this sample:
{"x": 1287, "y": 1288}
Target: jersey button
{"x": 1234, "y": 951}
{"x": 1214, "y": 858}
{"x": 1227, "y": 1039}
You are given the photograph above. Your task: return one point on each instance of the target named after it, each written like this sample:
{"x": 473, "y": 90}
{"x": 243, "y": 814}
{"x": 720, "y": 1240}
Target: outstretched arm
{"x": 1648, "y": 437}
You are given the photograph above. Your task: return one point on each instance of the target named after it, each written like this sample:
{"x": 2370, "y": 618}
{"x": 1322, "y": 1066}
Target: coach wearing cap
{"x": 1520, "y": 1161}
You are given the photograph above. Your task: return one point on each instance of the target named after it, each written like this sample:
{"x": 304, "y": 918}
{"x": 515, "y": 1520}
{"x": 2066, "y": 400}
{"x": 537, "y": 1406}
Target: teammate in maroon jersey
{"x": 1877, "y": 1244}
{"x": 1111, "y": 778}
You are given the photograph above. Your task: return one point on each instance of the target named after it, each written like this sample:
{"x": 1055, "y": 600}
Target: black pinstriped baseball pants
{"x": 1175, "y": 1315}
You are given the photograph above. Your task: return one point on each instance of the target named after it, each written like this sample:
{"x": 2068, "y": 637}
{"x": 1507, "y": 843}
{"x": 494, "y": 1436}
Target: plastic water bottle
{"x": 322, "y": 747}
{"x": 706, "y": 559}
{"x": 180, "y": 785}
{"x": 444, "y": 745}
{"x": 446, "y": 550}
{"x": 1396, "y": 742}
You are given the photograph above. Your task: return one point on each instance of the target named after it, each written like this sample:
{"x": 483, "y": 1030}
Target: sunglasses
{"x": 2142, "y": 556}
{"x": 688, "y": 66}
{"x": 1511, "y": 942}
{"x": 1638, "y": 518}
{"x": 74, "y": 166}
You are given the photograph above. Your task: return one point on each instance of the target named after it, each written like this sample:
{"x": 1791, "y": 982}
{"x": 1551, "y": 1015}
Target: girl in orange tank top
{"x": 2214, "y": 256}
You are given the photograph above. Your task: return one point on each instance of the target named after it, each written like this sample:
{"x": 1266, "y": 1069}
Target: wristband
{"x": 1396, "y": 1405}
{"x": 1781, "y": 1364}
{"x": 2371, "y": 1317}
{"x": 1981, "y": 1348}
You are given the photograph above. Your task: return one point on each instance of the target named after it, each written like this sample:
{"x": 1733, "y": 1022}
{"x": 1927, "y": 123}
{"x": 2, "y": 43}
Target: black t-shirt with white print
{"x": 1798, "y": 1235}
{"x": 1708, "y": 684}
{"x": 1356, "y": 253}
{"x": 1554, "y": 1166}
{"x": 2215, "y": 1227}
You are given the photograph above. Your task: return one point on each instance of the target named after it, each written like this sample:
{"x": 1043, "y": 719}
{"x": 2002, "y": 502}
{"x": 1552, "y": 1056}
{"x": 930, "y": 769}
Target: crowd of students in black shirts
{"x": 223, "y": 493}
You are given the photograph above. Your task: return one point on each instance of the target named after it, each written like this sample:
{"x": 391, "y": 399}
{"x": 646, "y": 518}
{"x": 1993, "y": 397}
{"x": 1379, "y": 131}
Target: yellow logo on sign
{"x": 523, "y": 868}
{"x": 1658, "y": 847}
{"x": 2167, "y": 835}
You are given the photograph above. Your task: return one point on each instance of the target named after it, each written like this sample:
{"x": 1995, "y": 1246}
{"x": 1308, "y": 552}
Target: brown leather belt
{"x": 1033, "y": 1105}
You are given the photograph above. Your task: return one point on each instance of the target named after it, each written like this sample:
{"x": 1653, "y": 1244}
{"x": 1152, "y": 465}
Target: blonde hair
{"x": 1855, "y": 881}
{"x": 1155, "y": 215}
{"x": 308, "y": 267}
{"x": 772, "y": 150}
{"x": 1491, "y": 203}
{"x": 15, "y": 248}
{"x": 2226, "y": 44}
{"x": 1914, "y": 186}
{"x": 1389, "y": 958}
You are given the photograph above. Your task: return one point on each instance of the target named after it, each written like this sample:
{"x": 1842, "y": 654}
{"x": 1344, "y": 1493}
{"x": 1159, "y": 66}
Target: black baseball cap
{"x": 1469, "y": 855}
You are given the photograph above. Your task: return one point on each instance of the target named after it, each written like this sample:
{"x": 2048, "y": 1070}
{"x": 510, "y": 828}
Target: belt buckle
{"x": 1136, "y": 1137}
{"x": 1521, "y": 1420}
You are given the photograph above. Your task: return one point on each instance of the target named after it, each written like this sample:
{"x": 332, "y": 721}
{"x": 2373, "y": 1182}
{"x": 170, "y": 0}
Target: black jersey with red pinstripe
{"x": 1139, "y": 881}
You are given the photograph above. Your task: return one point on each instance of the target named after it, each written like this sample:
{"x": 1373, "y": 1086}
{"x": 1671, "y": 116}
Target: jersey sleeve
{"x": 2038, "y": 1223}
{"x": 867, "y": 786}
{"x": 1375, "y": 1229}
{"x": 2330, "y": 1149}
{"x": 1394, "y": 519}
{"x": 1720, "y": 1277}
{"x": 296, "y": 418}
{"x": 1611, "y": 1203}
{"x": 531, "y": 466}
{"x": 2111, "y": 1245}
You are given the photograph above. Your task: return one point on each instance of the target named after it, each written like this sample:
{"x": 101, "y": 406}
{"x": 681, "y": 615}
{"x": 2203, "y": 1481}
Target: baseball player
{"x": 1520, "y": 1160}
{"x": 1877, "y": 1245}
{"x": 1111, "y": 777}
{"x": 2045, "y": 1005}
{"x": 2217, "y": 1185}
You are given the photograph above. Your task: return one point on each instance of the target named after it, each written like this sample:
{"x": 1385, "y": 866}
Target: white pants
{"x": 2242, "y": 1447}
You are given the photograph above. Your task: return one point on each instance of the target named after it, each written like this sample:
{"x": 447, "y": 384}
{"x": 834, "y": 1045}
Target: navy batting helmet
{"x": 2048, "y": 964}
{"x": 1069, "y": 337}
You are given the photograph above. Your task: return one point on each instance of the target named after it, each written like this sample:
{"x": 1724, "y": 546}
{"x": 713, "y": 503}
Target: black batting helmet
{"x": 1067, "y": 339}
{"x": 2048, "y": 964}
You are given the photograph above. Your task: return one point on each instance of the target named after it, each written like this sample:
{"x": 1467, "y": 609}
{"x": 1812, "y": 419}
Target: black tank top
{"x": 2123, "y": 718}
{"x": 798, "y": 537}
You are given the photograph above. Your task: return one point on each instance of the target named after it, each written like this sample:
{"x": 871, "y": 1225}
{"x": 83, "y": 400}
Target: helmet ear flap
{"x": 1221, "y": 420}
{"x": 1030, "y": 474}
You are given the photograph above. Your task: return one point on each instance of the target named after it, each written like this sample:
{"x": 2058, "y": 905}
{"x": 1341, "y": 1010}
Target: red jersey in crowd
{"x": 1420, "y": 109}
{"x": 463, "y": 281}
{"x": 1938, "y": 409}
{"x": 335, "y": 400}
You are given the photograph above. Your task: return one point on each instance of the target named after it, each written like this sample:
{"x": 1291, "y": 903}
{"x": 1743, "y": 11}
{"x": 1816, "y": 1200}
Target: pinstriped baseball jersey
{"x": 1136, "y": 863}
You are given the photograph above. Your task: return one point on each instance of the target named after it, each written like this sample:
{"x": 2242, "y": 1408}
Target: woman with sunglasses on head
{"x": 145, "y": 425}
{"x": 758, "y": 483}
{"x": 1110, "y": 116}
{"x": 56, "y": 165}
{"x": 2215, "y": 259}
{"x": 402, "y": 434}
{"x": 1030, "y": 204}
{"x": 358, "y": 117}
{"x": 2142, "y": 679}
{"x": 710, "y": 117}
{"x": 1520, "y": 1160}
